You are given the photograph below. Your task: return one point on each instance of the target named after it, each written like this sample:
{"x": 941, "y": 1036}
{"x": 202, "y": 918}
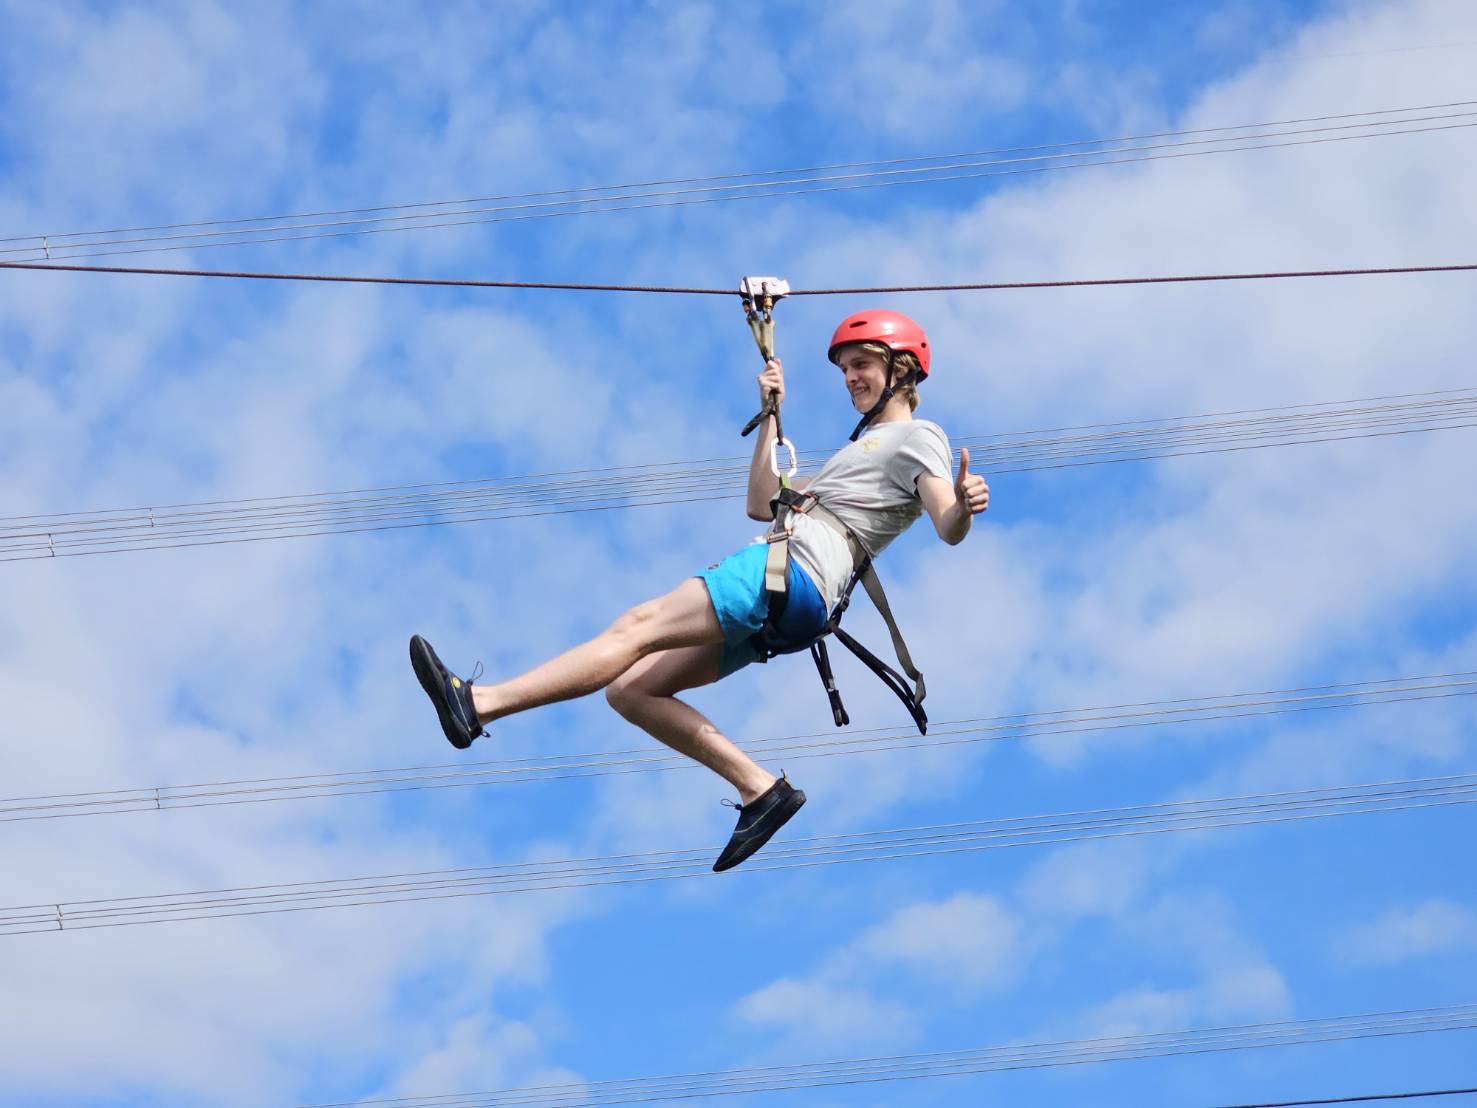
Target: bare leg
{"x": 644, "y": 695}
{"x": 684, "y": 617}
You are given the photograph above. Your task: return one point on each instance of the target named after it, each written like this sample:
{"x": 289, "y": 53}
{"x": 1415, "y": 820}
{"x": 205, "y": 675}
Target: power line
{"x": 763, "y": 189}
{"x": 661, "y": 182}
{"x": 1461, "y": 44}
{"x": 957, "y": 1063}
{"x": 938, "y": 178}
{"x": 1258, "y": 809}
{"x": 1366, "y": 1098}
{"x": 219, "y": 522}
{"x": 792, "y": 748}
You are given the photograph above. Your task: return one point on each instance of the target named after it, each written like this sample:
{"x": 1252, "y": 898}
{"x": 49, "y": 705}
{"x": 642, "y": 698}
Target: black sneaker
{"x": 451, "y": 695}
{"x": 758, "y": 820}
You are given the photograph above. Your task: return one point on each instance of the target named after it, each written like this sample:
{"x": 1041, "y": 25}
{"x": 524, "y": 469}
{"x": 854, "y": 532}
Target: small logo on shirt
{"x": 871, "y": 443}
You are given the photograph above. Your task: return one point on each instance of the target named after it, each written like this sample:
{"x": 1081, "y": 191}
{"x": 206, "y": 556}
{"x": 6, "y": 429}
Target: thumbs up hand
{"x": 970, "y": 489}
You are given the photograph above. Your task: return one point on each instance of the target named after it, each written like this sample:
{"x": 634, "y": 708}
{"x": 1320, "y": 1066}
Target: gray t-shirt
{"x": 871, "y": 485}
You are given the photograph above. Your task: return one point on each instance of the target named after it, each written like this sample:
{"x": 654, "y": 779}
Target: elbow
{"x": 953, "y": 535}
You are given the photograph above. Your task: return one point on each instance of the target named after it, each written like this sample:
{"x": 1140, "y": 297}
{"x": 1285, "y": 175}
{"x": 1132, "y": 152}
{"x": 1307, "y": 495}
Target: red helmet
{"x": 892, "y": 329}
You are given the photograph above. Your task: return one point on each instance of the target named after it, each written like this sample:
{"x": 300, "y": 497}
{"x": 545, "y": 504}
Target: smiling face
{"x": 865, "y": 373}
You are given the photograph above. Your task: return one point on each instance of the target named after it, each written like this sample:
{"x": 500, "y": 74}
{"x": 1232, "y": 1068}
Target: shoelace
{"x": 739, "y": 807}
{"x": 477, "y": 672}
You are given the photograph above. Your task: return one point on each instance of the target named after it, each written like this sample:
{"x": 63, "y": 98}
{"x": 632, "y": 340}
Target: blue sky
{"x": 1185, "y": 577}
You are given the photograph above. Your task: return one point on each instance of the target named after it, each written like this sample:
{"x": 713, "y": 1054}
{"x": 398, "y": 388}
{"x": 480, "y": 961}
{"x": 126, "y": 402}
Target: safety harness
{"x": 759, "y": 295}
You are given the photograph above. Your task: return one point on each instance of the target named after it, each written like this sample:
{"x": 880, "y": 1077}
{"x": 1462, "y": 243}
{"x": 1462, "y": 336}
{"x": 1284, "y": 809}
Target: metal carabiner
{"x": 774, "y": 458}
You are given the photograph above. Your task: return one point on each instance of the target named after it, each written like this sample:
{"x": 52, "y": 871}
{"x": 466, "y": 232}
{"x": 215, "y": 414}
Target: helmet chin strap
{"x": 887, "y": 394}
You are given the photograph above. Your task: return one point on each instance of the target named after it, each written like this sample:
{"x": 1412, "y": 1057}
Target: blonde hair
{"x": 902, "y": 364}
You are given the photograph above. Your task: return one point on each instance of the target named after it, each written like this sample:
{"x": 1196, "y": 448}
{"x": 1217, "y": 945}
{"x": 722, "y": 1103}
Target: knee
{"x": 625, "y": 695}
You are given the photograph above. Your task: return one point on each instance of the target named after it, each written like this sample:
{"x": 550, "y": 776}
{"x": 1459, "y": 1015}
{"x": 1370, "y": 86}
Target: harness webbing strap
{"x": 889, "y": 677}
{"x": 776, "y": 583}
{"x": 828, "y": 679}
{"x": 777, "y": 564}
{"x": 873, "y": 585}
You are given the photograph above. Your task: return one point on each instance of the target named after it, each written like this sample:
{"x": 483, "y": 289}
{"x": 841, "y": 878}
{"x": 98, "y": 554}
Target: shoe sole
{"x": 754, "y": 845}
{"x": 423, "y": 660}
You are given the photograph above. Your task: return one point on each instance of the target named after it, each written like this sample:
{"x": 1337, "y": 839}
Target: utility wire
{"x": 218, "y": 522}
{"x": 618, "y": 483}
{"x": 774, "y": 187}
{"x": 49, "y": 546}
{"x": 770, "y": 195}
{"x": 1258, "y": 809}
{"x": 60, "y": 238}
{"x": 1364, "y": 1099}
{"x": 792, "y": 748}
{"x": 1014, "y": 1056}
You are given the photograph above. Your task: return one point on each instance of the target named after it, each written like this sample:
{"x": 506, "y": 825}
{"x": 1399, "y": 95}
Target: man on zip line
{"x": 780, "y": 594}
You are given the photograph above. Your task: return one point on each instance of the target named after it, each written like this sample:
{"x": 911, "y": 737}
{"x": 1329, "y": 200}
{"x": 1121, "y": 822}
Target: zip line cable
{"x": 1257, "y": 809}
{"x": 764, "y": 189}
{"x": 579, "y": 766}
{"x": 221, "y": 522}
{"x": 55, "y": 238}
{"x": 1013, "y": 1056}
{"x": 983, "y": 286}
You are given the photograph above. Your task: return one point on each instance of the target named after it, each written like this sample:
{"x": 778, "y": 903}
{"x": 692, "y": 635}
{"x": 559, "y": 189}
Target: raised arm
{"x": 953, "y": 507}
{"x": 764, "y": 486}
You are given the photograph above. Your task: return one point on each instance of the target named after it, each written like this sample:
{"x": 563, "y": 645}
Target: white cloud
{"x": 911, "y": 73}
{"x": 819, "y": 1014}
{"x": 969, "y": 941}
{"x": 1090, "y": 879}
{"x": 1208, "y": 971}
{"x": 176, "y": 110}
{"x": 1405, "y": 933}
{"x": 1142, "y": 1011}
{"x": 476, "y": 1052}
{"x": 864, "y": 991}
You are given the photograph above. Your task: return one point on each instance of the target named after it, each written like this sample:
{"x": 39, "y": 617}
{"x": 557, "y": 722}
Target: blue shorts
{"x": 736, "y": 588}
